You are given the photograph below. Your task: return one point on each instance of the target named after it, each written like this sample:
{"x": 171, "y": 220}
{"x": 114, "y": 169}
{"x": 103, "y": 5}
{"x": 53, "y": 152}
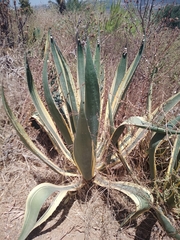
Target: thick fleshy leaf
{"x": 80, "y": 71}
{"x": 28, "y": 142}
{"x": 83, "y": 147}
{"x": 97, "y": 62}
{"x": 166, "y": 224}
{"x": 38, "y": 120}
{"x": 137, "y": 122}
{"x": 35, "y": 201}
{"x": 159, "y": 113}
{"x": 45, "y": 117}
{"x": 73, "y": 98}
{"x": 119, "y": 75}
{"x": 55, "y": 113}
{"x": 150, "y": 93}
{"x": 142, "y": 123}
{"x": 175, "y": 154}
{"x": 173, "y": 163}
{"x": 153, "y": 145}
{"x": 122, "y": 88}
{"x": 92, "y": 96}
{"x": 102, "y": 147}
{"x": 111, "y": 120}
{"x": 140, "y": 195}
{"x": 123, "y": 148}
{"x": 66, "y": 82}
{"x": 57, "y": 57}
{"x": 117, "y": 133}
{"x": 130, "y": 141}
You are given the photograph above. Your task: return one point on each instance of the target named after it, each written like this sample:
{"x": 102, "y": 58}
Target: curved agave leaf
{"x": 174, "y": 156}
{"x": 122, "y": 80}
{"x": 166, "y": 224}
{"x": 142, "y": 123}
{"x": 92, "y": 96}
{"x": 173, "y": 163}
{"x": 45, "y": 117}
{"x": 131, "y": 141}
{"x": 111, "y": 144}
{"x": 119, "y": 75}
{"x": 80, "y": 72}
{"x": 103, "y": 141}
{"x": 149, "y": 98}
{"x": 154, "y": 144}
{"x": 111, "y": 120}
{"x": 97, "y": 62}
{"x": 83, "y": 147}
{"x": 28, "y": 142}
{"x": 58, "y": 58}
{"x": 57, "y": 55}
{"x": 66, "y": 82}
{"x": 56, "y": 115}
{"x": 35, "y": 201}
{"x": 102, "y": 90}
{"x": 141, "y": 196}
{"x": 36, "y": 117}
{"x": 73, "y": 104}
{"x": 103, "y": 144}
{"x": 158, "y": 115}
{"x": 126, "y": 80}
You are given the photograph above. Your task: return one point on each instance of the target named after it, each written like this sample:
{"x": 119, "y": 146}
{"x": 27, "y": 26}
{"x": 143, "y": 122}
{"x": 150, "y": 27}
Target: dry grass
{"x": 94, "y": 213}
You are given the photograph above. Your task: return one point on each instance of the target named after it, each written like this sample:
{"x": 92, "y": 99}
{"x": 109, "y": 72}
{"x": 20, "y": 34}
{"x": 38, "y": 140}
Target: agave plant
{"x": 94, "y": 148}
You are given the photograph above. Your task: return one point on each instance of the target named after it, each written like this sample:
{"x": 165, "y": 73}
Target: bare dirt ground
{"x": 90, "y": 214}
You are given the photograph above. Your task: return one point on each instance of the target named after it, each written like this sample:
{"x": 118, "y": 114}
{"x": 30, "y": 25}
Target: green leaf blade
{"x": 122, "y": 88}
{"x": 166, "y": 224}
{"x": 56, "y": 115}
{"x": 66, "y": 82}
{"x": 35, "y": 201}
{"x": 92, "y": 96}
{"x": 83, "y": 147}
{"x": 171, "y": 102}
{"x": 119, "y": 75}
{"x": 80, "y": 71}
{"x": 153, "y": 146}
{"x": 28, "y": 142}
{"x": 141, "y": 196}
{"x": 173, "y": 163}
{"x": 45, "y": 117}
{"x": 97, "y": 61}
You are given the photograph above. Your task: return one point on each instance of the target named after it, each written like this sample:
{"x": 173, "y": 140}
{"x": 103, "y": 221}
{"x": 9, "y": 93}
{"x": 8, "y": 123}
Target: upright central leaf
{"x": 83, "y": 147}
{"x": 80, "y": 72}
{"x": 92, "y": 96}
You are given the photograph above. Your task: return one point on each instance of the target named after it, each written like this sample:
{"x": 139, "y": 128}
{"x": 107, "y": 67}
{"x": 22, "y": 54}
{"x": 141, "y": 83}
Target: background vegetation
{"x": 23, "y": 29}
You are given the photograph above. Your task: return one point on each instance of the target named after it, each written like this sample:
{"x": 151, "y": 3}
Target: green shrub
{"x": 169, "y": 16}
{"x": 120, "y": 17}
{"x": 73, "y": 5}
{"x": 25, "y": 6}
